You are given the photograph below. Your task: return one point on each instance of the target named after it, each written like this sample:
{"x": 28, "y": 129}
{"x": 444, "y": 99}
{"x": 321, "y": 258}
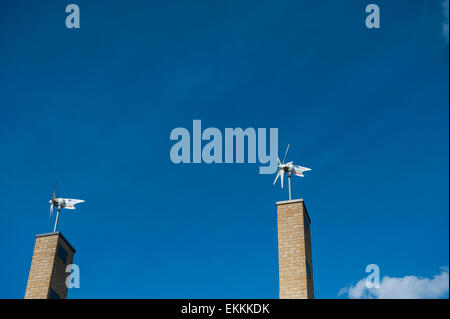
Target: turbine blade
{"x": 278, "y": 175}
{"x": 51, "y": 210}
{"x": 282, "y": 175}
{"x": 279, "y": 163}
{"x": 285, "y": 154}
{"x": 54, "y": 191}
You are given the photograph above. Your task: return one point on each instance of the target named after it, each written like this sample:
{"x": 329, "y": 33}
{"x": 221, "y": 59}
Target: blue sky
{"x": 367, "y": 110}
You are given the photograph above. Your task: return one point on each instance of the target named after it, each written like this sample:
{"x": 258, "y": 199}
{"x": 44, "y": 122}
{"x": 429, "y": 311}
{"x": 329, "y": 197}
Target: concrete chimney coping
{"x": 290, "y": 201}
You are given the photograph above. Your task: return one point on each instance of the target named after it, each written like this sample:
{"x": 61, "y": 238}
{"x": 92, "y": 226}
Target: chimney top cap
{"x": 300, "y": 200}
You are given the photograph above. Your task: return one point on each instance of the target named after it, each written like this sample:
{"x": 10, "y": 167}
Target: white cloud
{"x": 445, "y": 23}
{"x": 407, "y": 287}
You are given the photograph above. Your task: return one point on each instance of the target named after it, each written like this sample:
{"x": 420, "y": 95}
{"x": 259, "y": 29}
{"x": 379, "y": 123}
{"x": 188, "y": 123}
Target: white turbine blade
{"x": 279, "y": 163}
{"x": 51, "y": 210}
{"x": 285, "y": 154}
{"x": 276, "y": 177}
{"x": 282, "y": 175}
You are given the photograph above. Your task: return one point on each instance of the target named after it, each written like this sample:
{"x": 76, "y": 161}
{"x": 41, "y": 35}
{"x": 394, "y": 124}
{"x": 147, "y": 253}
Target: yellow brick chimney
{"x": 47, "y": 278}
{"x": 294, "y": 250}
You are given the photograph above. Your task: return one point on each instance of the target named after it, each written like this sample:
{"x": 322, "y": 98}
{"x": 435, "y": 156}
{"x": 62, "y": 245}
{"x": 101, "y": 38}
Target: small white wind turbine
{"x": 290, "y": 169}
{"x": 67, "y": 203}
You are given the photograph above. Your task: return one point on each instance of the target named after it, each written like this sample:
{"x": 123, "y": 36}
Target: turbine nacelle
{"x": 57, "y": 202}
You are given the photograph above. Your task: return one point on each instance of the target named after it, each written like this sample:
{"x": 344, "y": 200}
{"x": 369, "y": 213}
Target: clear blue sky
{"x": 367, "y": 110}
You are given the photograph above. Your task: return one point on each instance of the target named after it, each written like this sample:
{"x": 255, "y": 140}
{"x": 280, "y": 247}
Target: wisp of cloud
{"x": 407, "y": 287}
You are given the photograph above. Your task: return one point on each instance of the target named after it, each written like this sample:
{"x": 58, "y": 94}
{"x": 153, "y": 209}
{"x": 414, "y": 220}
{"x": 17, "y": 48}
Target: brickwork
{"x": 47, "y": 272}
{"x": 294, "y": 251}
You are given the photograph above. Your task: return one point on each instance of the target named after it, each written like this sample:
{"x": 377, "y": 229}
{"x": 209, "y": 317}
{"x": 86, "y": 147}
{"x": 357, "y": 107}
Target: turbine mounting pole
{"x": 56, "y": 222}
{"x": 289, "y": 181}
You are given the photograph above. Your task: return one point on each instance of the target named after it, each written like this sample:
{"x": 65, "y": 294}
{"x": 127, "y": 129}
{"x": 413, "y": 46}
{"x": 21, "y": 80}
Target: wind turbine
{"x": 290, "y": 169}
{"x": 67, "y": 203}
